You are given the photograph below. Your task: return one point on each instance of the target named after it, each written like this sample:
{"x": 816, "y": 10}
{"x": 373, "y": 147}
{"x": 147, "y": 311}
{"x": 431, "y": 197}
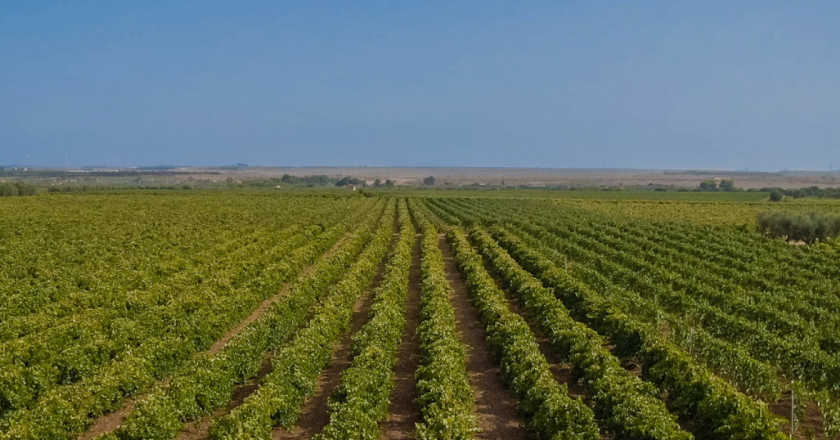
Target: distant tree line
{"x": 316, "y": 180}
{"x": 362, "y": 183}
{"x": 378, "y": 183}
{"x": 12, "y": 189}
{"x": 237, "y": 166}
{"x": 350, "y": 181}
{"x": 776, "y": 194}
{"x": 287, "y": 179}
{"x": 725, "y": 185}
{"x": 813, "y": 191}
{"x": 809, "y": 228}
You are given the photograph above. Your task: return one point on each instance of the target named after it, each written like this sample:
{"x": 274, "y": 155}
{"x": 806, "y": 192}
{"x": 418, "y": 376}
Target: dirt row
{"x": 495, "y": 406}
{"x": 403, "y": 413}
{"x": 809, "y": 426}
{"x": 111, "y": 421}
{"x": 314, "y": 415}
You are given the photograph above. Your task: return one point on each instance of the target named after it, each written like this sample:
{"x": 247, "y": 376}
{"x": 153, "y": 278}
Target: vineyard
{"x": 426, "y": 314}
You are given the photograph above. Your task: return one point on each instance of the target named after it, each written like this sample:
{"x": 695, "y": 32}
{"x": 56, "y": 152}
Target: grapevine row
{"x": 625, "y": 405}
{"x": 444, "y": 395}
{"x": 742, "y": 369}
{"x": 297, "y": 366}
{"x": 72, "y": 408}
{"x": 361, "y": 400}
{"x": 208, "y": 382}
{"x": 718, "y": 409}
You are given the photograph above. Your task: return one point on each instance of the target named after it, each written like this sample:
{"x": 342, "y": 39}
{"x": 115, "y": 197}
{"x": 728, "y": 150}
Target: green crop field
{"x": 429, "y": 314}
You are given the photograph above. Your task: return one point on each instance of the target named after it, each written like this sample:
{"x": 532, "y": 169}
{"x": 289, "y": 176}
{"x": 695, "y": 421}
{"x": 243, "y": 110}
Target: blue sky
{"x": 619, "y": 84}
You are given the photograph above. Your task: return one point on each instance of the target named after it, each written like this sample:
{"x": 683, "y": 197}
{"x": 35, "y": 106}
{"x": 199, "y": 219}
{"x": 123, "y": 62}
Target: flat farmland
{"x": 449, "y": 177}
{"x": 333, "y": 314}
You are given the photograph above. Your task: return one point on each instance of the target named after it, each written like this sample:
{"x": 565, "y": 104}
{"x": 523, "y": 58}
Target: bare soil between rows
{"x": 495, "y": 406}
{"x": 403, "y": 413}
{"x": 560, "y": 370}
{"x": 314, "y": 415}
{"x": 812, "y": 420}
{"x": 200, "y": 429}
{"x": 113, "y": 420}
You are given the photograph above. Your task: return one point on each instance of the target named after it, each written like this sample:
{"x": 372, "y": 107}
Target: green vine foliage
{"x": 297, "y": 366}
{"x": 444, "y": 395}
{"x": 361, "y": 401}
{"x": 110, "y": 345}
{"x": 208, "y": 382}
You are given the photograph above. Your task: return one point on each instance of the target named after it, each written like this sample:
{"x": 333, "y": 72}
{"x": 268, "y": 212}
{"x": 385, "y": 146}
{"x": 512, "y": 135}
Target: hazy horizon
{"x": 658, "y": 85}
{"x": 431, "y": 167}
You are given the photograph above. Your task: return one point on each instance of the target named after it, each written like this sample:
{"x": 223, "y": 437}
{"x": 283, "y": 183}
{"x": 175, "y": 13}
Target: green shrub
{"x": 11, "y": 189}
{"x": 810, "y": 227}
{"x": 25, "y": 189}
{"x": 8, "y": 190}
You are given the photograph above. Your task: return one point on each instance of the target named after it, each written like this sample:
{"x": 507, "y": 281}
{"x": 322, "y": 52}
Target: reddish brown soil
{"x": 403, "y": 413}
{"x": 220, "y": 344}
{"x": 812, "y": 422}
{"x": 561, "y": 371}
{"x": 308, "y": 269}
{"x": 314, "y": 415}
{"x": 199, "y": 429}
{"x": 495, "y": 406}
{"x": 630, "y": 364}
{"x": 111, "y": 421}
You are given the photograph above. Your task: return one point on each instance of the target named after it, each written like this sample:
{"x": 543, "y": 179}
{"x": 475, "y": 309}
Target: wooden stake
{"x": 792, "y": 412}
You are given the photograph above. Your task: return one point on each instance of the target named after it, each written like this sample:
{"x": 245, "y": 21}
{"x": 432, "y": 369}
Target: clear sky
{"x": 619, "y": 84}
